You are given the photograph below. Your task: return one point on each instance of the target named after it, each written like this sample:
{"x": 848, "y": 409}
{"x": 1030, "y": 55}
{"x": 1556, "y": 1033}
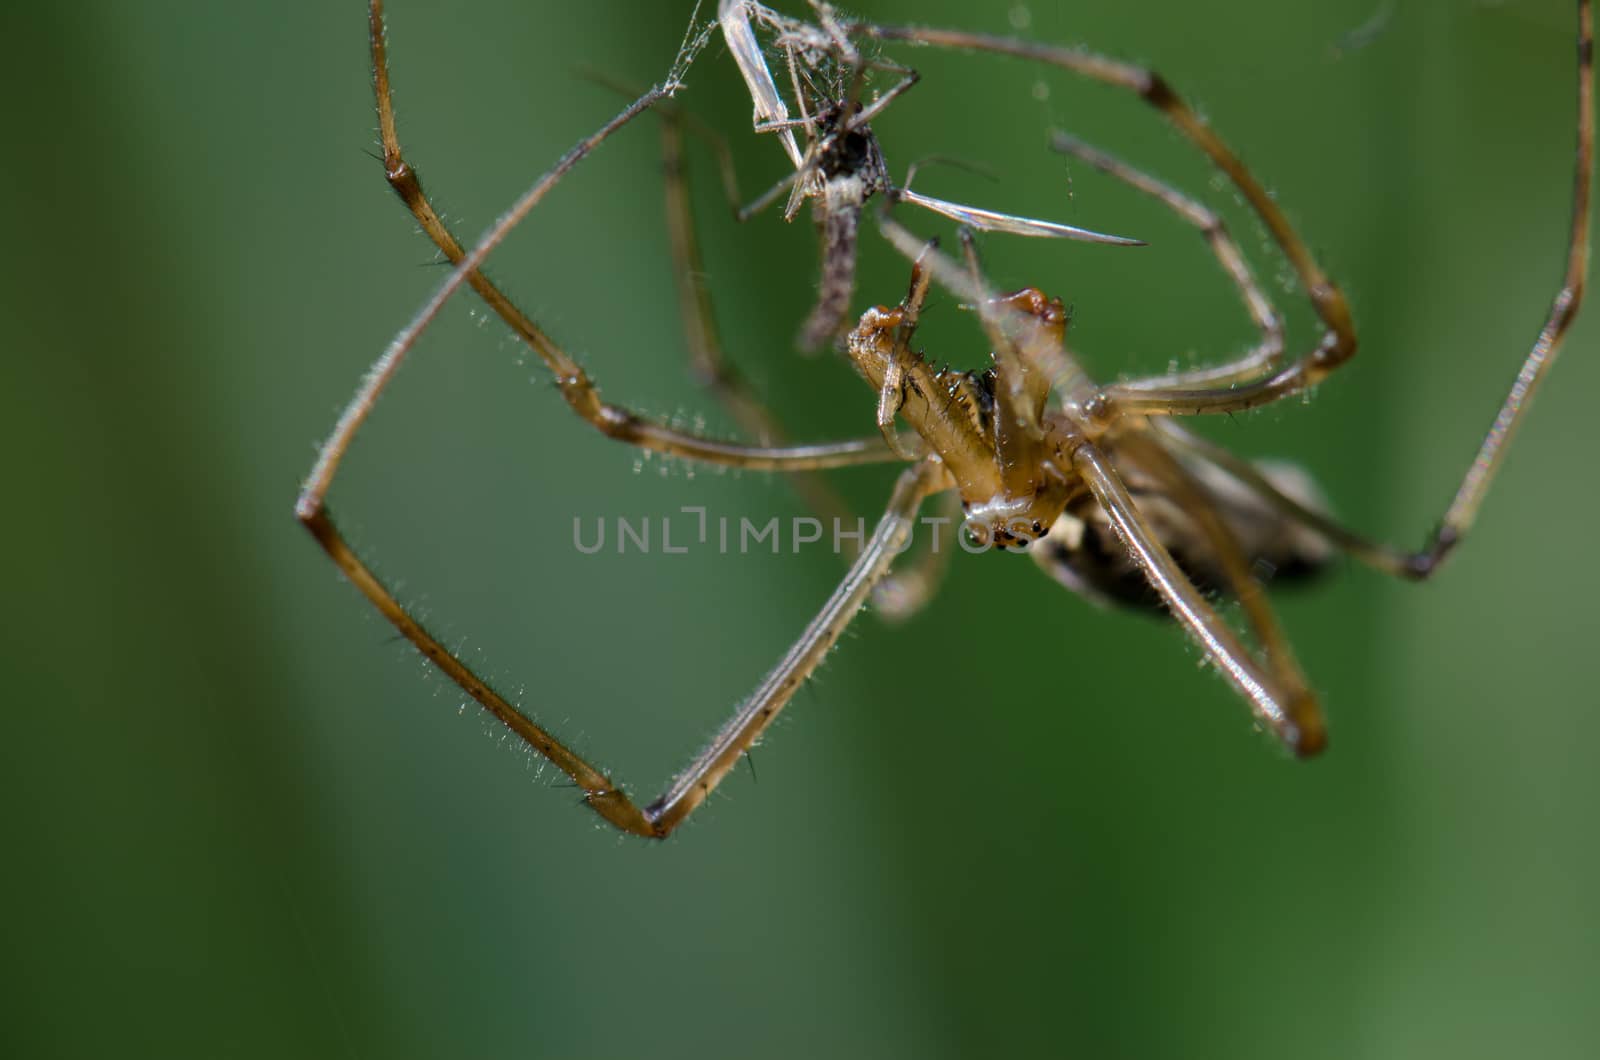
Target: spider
{"x": 1100, "y": 484}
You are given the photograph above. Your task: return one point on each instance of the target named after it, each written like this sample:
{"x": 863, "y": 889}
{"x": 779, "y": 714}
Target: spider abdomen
{"x": 1084, "y": 554}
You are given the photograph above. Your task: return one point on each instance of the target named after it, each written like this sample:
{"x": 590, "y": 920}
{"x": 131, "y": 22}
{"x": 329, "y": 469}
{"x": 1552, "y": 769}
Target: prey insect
{"x": 842, "y": 164}
{"x": 1101, "y": 484}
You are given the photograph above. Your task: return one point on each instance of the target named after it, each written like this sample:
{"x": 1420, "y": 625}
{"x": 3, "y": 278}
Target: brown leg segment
{"x": 599, "y": 791}
{"x": 1385, "y": 558}
{"x": 1288, "y": 711}
{"x": 576, "y": 387}
{"x": 1153, "y": 89}
{"x": 1241, "y": 583}
{"x": 1462, "y": 512}
{"x": 691, "y": 787}
{"x": 1267, "y": 352}
{"x": 1338, "y": 342}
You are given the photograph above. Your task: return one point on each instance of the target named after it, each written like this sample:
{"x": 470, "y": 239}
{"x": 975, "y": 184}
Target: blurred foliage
{"x": 243, "y": 821}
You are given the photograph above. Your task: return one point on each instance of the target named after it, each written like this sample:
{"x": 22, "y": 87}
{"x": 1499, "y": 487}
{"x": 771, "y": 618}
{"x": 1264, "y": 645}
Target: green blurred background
{"x": 241, "y": 820}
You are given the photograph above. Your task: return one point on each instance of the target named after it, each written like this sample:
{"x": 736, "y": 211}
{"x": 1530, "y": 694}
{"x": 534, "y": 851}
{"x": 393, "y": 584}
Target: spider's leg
{"x": 1381, "y": 557}
{"x": 1240, "y": 580}
{"x": 1268, "y": 350}
{"x": 1459, "y": 516}
{"x": 605, "y": 797}
{"x": 1338, "y": 342}
{"x": 891, "y": 398}
{"x": 1463, "y": 510}
{"x": 576, "y": 386}
{"x": 691, "y": 787}
{"x": 1285, "y": 708}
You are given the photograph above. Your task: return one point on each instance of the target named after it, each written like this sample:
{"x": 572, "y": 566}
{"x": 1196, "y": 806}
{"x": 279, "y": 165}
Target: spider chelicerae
{"x": 1101, "y": 484}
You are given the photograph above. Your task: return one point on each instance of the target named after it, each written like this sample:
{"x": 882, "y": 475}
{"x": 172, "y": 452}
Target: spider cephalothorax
{"x": 990, "y": 429}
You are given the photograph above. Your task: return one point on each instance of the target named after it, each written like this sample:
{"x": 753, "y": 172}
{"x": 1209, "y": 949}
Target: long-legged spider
{"x": 1100, "y": 483}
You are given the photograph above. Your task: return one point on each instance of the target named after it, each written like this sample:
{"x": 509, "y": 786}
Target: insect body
{"x": 852, "y": 171}
{"x": 842, "y": 165}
